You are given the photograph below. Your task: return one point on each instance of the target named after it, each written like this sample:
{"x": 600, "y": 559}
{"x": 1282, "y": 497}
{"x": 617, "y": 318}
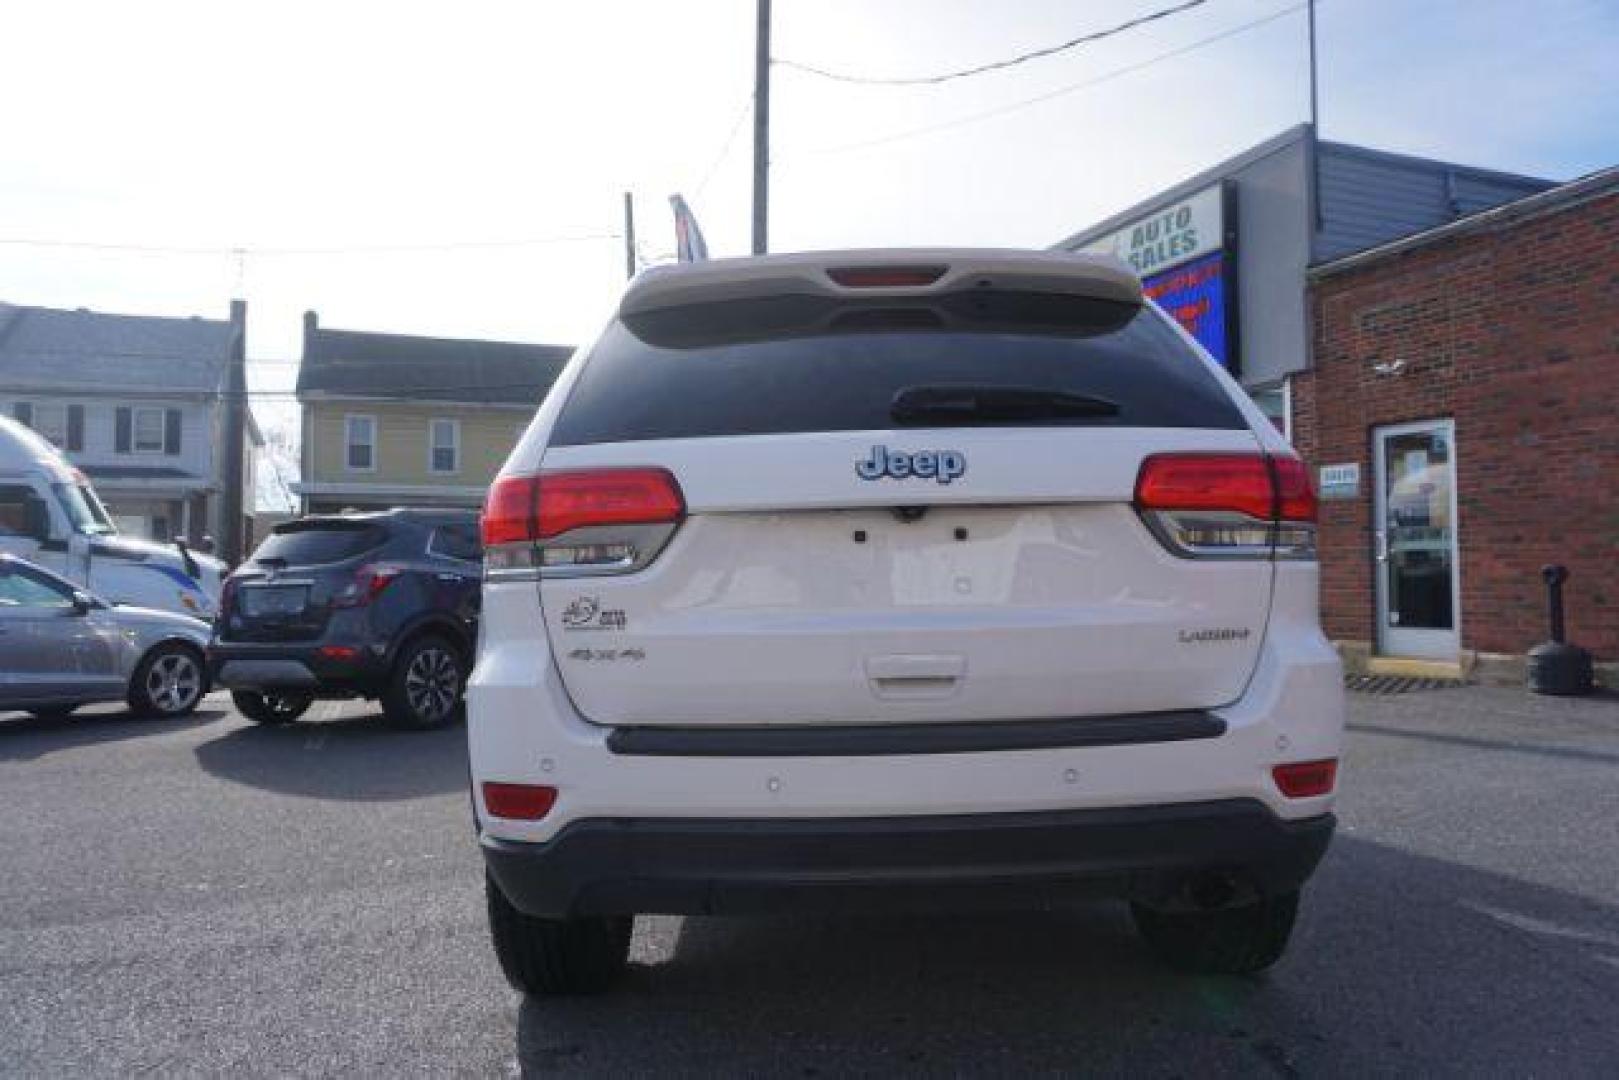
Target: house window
{"x": 360, "y": 438}
{"x": 148, "y": 426}
{"x": 50, "y": 420}
{"x": 444, "y": 449}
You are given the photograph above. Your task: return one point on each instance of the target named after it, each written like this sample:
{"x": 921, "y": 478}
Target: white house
{"x": 138, "y": 403}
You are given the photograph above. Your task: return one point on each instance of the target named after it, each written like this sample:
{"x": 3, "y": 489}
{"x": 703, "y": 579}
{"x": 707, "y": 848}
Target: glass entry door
{"x": 1414, "y": 540}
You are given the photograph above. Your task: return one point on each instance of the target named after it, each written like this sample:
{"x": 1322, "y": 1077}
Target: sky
{"x": 459, "y": 169}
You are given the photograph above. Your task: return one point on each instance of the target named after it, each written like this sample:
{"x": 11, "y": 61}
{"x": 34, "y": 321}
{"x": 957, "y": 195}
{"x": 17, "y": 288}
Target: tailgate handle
{"x": 915, "y": 676}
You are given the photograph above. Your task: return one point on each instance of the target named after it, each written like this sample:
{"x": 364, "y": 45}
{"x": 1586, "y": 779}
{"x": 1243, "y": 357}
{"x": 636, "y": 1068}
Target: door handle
{"x": 1381, "y": 548}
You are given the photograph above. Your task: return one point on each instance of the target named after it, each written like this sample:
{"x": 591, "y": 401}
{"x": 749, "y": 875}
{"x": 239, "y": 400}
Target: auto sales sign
{"x": 1178, "y": 233}
{"x": 1179, "y": 252}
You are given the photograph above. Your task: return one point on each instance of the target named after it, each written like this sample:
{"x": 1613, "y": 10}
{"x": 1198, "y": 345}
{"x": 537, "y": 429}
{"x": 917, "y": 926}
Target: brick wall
{"x": 1513, "y": 333}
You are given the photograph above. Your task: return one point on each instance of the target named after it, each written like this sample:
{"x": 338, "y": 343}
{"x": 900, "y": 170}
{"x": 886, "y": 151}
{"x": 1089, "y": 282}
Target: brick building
{"x": 1462, "y": 413}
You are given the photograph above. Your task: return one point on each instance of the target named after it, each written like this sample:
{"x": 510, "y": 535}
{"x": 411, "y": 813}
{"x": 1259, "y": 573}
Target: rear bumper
{"x": 293, "y": 667}
{"x": 693, "y": 866}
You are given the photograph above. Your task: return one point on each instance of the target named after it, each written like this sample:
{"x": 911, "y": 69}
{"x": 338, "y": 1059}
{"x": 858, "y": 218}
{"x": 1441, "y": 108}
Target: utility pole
{"x": 235, "y": 441}
{"x": 761, "y": 131}
{"x": 1315, "y": 129}
{"x": 629, "y": 235}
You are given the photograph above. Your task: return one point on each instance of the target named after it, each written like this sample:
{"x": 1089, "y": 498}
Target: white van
{"x": 51, "y": 516}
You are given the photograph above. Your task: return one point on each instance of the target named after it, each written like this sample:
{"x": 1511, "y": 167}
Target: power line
{"x": 279, "y": 252}
{"x": 1062, "y": 91}
{"x": 725, "y": 149}
{"x": 998, "y": 65}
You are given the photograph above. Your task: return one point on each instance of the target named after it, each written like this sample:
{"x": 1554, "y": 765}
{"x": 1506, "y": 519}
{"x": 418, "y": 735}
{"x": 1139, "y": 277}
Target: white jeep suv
{"x": 909, "y": 576}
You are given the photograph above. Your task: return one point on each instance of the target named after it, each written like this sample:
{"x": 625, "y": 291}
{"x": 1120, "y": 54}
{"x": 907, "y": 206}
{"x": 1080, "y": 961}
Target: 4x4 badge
{"x": 941, "y": 465}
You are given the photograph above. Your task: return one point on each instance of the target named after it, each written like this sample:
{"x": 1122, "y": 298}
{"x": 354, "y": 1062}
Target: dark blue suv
{"x": 375, "y": 605}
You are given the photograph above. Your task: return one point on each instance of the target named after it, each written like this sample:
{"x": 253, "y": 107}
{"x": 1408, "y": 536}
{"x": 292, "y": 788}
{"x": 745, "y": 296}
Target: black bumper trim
{"x": 867, "y": 740}
{"x": 697, "y": 866}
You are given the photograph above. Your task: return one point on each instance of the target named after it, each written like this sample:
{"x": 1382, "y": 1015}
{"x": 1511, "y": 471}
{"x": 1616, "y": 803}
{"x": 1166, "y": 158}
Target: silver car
{"x": 61, "y": 648}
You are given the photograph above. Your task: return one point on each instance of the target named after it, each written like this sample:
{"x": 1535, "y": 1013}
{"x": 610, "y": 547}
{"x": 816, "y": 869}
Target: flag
{"x": 690, "y": 245}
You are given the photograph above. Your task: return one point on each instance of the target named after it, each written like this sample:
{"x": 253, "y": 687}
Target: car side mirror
{"x": 83, "y": 602}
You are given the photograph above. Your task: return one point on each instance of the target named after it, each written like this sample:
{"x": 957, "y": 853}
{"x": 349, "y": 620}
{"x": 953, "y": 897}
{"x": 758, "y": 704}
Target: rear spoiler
{"x": 917, "y": 273}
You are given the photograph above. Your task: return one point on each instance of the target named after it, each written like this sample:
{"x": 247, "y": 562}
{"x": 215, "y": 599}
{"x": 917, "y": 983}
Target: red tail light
{"x": 529, "y": 508}
{"x": 1295, "y": 495}
{"x": 878, "y": 277}
{"x": 521, "y": 802}
{"x": 368, "y": 583}
{"x": 1236, "y": 482}
{"x": 630, "y": 514}
{"x": 1305, "y": 779}
{"x": 1228, "y": 505}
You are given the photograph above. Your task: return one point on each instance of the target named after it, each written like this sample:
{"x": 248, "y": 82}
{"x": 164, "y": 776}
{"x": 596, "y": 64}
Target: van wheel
{"x": 425, "y": 687}
{"x": 276, "y": 708}
{"x": 1222, "y": 941}
{"x": 169, "y": 682}
{"x": 556, "y": 956}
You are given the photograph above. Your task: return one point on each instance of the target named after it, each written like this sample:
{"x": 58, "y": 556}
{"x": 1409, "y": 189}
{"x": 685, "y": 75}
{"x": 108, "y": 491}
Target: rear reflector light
{"x": 340, "y": 653}
{"x": 520, "y": 802}
{"x": 1228, "y": 505}
{"x": 881, "y": 277}
{"x": 1306, "y": 779}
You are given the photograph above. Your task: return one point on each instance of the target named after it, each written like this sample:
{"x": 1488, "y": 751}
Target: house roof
{"x": 1276, "y": 144}
{"x": 136, "y": 472}
{"x": 1598, "y": 185}
{"x": 354, "y": 363}
{"x": 86, "y": 351}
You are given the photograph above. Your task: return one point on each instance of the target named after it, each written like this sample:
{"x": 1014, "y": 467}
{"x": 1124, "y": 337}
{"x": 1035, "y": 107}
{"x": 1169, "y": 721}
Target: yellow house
{"x": 394, "y": 420}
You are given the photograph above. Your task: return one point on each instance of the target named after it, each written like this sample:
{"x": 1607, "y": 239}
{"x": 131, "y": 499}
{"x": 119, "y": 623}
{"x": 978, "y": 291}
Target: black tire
{"x": 169, "y": 682}
{"x": 426, "y": 685}
{"x": 53, "y": 712}
{"x": 557, "y": 956}
{"x": 281, "y": 707}
{"x": 1223, "y": 941}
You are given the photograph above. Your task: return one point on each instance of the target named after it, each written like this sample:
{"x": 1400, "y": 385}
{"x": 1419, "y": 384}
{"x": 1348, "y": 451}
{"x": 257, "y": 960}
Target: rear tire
{"x": 273, "y": 709}
{"x": 1224, "y": 941}
{"x": 557, "y": 956}
{"x": 426, "y": 685}
{"x": 169, "y": 682}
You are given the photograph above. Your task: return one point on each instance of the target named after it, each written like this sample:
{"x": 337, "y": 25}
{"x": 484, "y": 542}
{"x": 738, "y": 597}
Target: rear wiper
{"x": 969, "y": 404}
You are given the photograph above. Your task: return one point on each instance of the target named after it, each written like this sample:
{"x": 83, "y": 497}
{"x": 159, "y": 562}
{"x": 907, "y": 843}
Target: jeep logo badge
{"x": 941, "y": 465}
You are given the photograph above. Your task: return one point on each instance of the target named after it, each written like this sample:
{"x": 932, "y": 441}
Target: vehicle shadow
{"x": 350, "y": 758}
{"x": 1400, "y": 964}
{"x": 24, "y": 737}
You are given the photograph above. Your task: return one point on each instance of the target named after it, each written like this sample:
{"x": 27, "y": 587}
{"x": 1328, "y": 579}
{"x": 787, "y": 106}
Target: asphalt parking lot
{"x": 206, "y": 896}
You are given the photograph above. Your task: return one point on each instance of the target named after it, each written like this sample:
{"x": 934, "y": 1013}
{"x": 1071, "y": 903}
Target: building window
{"x": 1276, "y": 402}
{"x": 444, "y": 446}
{"x": 148, "y": 427}
{"x": 360, "y": 438}
{"x": 50, "y": 420}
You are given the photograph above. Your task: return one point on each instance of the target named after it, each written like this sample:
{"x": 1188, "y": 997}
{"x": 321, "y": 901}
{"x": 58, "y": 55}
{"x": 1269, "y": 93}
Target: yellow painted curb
{"x": 1407, "y": 668}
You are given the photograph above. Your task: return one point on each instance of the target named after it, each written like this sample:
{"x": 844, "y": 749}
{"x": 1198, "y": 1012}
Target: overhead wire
{"x": 255, "y": 251}
{"x": 725, "y": 148}
{"x": 997, "y": 65}
{"x": 1062, "y": 91}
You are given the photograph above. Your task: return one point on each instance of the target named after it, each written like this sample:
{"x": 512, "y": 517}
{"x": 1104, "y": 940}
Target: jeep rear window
{"x": 804, "y": 364}
{"x": 313, "y": 543}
